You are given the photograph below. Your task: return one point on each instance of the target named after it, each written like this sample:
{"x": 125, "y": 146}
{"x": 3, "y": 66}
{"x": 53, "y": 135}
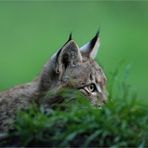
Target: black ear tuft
{"x": 98, "y": 32}
{"x": 90, "y": 49}
{"x": 69, "y": 39}
{"x": 93, "y": 41}
{"x": 70, "y": 36}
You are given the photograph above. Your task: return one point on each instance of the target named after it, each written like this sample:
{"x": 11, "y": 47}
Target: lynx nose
{"x": 104, "y": 101}
{"x": 103, "y": 98}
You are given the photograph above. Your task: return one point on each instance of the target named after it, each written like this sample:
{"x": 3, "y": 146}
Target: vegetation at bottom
{"x": 75, "y": 122}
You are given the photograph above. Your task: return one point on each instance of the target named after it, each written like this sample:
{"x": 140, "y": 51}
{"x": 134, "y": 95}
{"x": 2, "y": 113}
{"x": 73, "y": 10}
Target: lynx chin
{"x": 70, "y": 67}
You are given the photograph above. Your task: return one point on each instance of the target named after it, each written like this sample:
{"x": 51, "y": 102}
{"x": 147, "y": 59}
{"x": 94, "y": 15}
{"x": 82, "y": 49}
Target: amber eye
{"x": 91, "y": 87}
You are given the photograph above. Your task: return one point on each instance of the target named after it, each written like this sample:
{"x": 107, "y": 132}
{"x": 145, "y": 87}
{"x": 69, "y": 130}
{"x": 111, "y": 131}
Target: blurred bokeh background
{"x": 30, "y": 32}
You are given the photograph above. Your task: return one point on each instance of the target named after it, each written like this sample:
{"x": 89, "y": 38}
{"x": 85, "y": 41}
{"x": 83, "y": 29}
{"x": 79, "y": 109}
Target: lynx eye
{"x": 91, "y": 87}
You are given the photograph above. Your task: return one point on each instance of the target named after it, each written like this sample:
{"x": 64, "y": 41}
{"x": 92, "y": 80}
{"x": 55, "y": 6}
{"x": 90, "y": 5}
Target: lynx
{"x": 70, "y": 67}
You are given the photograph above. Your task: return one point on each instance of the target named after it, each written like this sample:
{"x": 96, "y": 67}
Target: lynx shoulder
{"x": 70, "y": 67}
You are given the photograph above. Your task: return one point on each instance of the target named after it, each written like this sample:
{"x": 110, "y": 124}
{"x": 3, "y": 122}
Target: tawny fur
{"x": 68, "y": 68}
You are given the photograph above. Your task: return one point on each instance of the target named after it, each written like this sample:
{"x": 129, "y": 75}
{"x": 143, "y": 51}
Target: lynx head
{"x": 76, "y": 68}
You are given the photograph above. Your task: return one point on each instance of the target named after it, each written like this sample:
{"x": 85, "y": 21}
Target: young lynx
{"x": 70, "y": 67}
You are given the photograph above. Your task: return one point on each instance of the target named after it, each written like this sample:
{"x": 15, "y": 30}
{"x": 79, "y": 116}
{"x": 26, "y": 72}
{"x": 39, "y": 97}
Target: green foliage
{"x": 121, "y": 122}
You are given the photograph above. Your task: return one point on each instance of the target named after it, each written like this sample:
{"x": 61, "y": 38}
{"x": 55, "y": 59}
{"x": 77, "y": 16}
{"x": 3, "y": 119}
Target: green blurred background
{"x": 30, "y": 32}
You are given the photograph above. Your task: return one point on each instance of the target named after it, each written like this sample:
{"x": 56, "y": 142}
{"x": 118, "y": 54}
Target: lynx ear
{"x": 69, "y": 54}
{"x": 91, "y": 48}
